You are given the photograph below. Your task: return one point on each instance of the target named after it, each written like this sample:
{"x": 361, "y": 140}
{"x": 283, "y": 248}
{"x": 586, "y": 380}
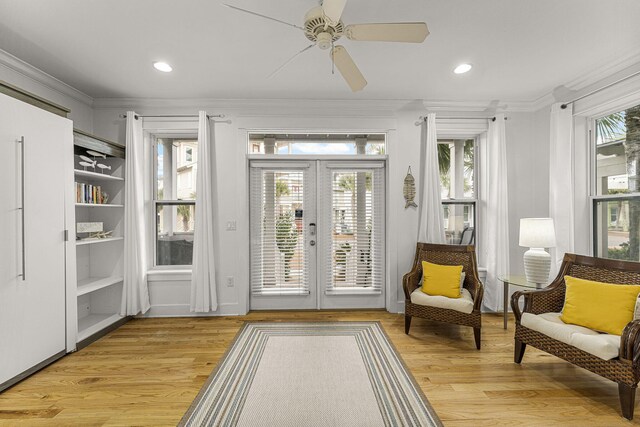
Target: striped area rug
{"x": 311, "y": 374}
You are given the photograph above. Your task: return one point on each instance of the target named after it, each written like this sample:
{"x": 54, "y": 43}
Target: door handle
{"x": 24, "y": 257}
{"x": 312, "y": 233}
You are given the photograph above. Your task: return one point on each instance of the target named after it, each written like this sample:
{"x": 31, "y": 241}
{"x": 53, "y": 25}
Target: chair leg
{"x": 476, "y": 335}
{"x": 627, "y": 400}
{"x": 518, "y": 353}
{"x": 407, "y": 323}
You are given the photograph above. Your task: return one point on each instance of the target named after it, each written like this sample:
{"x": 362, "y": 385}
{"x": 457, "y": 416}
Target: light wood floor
{"x": 149, "y": 371}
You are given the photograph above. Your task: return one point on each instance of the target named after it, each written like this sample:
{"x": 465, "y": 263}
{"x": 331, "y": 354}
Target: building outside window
{"x": 174, "y": 199}
{"x": 616, "y": 185}
{"x": 457, "y": 166}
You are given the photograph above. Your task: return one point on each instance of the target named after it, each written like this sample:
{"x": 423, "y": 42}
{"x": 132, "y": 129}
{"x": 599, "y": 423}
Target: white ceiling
{"x": 521, "y": 49}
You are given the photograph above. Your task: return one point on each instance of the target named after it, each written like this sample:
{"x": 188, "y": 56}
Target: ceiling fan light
{"x": 162, "y": 66}
{"x": 462, "y": 68}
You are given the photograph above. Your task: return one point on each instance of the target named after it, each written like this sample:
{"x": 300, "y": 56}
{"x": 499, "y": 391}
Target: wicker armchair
{"x": 624, "y": 369}
{"x": 445, "y": 255}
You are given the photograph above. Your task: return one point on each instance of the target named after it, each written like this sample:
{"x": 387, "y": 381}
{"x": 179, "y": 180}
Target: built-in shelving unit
{"x": 99, "y": 260}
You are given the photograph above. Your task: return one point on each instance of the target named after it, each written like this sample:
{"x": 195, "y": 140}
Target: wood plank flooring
{"x": 149, "y": 371}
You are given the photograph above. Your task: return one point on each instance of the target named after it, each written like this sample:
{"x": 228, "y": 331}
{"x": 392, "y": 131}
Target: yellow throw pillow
{"x": 603, "y": 307}
{"x": 441, "y": 279}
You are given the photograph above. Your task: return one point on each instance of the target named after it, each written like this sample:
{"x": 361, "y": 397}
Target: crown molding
{"x": 292, "y": 107}
{"x": 607, "y": 70}
{"x": 299, "y": 107}
{"x": 19, "y": 66}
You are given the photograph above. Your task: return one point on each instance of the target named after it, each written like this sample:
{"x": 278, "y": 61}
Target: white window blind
{"x": 353, "y": 206}
{"x": 279, "y": 250}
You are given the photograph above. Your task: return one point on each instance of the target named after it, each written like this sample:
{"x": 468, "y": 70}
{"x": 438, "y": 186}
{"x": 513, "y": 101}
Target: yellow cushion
{"x": 441, "y": 279}
{"x": 600, "y": 306}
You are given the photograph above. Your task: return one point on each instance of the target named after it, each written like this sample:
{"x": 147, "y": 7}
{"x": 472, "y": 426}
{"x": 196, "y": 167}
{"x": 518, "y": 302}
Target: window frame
{"x": 594, "y": 198}
{"x": 463, "y": 201}
{"x": 168, "y": 202}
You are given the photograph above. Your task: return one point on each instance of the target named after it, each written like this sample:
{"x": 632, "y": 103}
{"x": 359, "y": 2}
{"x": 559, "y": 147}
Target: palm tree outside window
{"x": 616, "y": 185}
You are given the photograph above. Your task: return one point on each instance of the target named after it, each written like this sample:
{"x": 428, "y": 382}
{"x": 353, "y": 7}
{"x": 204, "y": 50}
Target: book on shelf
{"x": 90, "y": 194}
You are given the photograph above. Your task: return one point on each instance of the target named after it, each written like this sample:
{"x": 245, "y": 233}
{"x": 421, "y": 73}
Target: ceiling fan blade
{"x": 407, "y": 32}
{"x": 332, "y": 10}
{"x": 348, "y": 68}
{"x": 289, "y": 60}
{"x": 263, "y": 16}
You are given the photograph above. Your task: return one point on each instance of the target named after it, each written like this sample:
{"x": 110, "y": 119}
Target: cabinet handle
{"x": 24, "y": 257}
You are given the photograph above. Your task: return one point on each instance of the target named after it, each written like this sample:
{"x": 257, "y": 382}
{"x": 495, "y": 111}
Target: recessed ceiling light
{"x": 462, "y": 68}
{"x": 162, "y": 66}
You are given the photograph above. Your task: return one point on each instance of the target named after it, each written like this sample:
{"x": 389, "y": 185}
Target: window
{"x": 174, "y": 200}
{"x": 321, "y": 144}
{"x": 456, "y": 160}
{"x": 616, "y": 185}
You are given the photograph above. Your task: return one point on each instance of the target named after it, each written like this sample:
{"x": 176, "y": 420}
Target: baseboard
{"x": 184, "y": 310}
{"x": 15, "y": 380}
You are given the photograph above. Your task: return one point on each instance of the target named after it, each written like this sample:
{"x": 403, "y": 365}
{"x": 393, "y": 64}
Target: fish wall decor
{"x": 409, "y": 190}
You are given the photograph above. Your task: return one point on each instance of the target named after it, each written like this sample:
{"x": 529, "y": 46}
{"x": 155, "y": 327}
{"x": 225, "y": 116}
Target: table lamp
{"x": 537, "y": 234}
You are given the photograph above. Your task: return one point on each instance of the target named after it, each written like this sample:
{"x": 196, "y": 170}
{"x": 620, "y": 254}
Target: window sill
{"x": 169, "y": 275}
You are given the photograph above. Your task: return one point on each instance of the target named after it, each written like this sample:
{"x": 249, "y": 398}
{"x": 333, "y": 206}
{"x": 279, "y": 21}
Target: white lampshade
{"x": 537, "y": 233}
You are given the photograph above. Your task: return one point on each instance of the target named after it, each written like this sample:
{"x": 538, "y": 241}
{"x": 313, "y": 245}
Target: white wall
{"x": 528, "y": 172}
{"x": 170, "y": 294}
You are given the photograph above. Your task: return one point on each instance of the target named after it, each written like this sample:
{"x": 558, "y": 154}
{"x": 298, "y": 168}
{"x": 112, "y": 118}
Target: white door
{"x": 352, "y": 234}
{"x": 282, "y": 229}
{"x": 317, "y": 234}
{"x": 32, "y": 257}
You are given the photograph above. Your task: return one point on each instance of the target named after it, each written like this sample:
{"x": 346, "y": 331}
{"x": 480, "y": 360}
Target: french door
{"x": 317, "y": 234}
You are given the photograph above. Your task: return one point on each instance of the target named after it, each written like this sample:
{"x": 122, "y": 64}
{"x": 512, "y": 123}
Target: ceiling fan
{"x": 323, "y": 27}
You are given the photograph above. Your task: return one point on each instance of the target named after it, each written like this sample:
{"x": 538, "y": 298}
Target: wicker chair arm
{"x": 514, "y": 304}
{"x": 549, "y": 299}
{"x": 410, "y": 282}
{"x": 476, "y": 289}
{"x": 630, "y": 342}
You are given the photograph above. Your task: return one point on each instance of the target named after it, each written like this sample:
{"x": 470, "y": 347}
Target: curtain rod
{"x": 423, "y": 118}
{"x": 220, "y": 116}
{"x": 563, "y": 106}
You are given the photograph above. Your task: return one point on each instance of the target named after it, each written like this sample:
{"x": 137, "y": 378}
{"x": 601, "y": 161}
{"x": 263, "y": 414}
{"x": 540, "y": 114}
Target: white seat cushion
{"x": 464, "y": 304}
{"x": 604, "y": 346}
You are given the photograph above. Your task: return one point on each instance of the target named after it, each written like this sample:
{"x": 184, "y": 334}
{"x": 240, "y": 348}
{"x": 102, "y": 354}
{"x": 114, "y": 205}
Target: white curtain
{"x": 135, "y": 293}
{"x": 430, "y": 217}
{"x": 203, "y": 279}
{"x": 561, "y": 189}
{"x": 495, "y": 240}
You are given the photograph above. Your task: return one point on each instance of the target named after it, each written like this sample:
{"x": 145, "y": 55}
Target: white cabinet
{"x": 35, "y": 173}
{"x": 99, "y": 199}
